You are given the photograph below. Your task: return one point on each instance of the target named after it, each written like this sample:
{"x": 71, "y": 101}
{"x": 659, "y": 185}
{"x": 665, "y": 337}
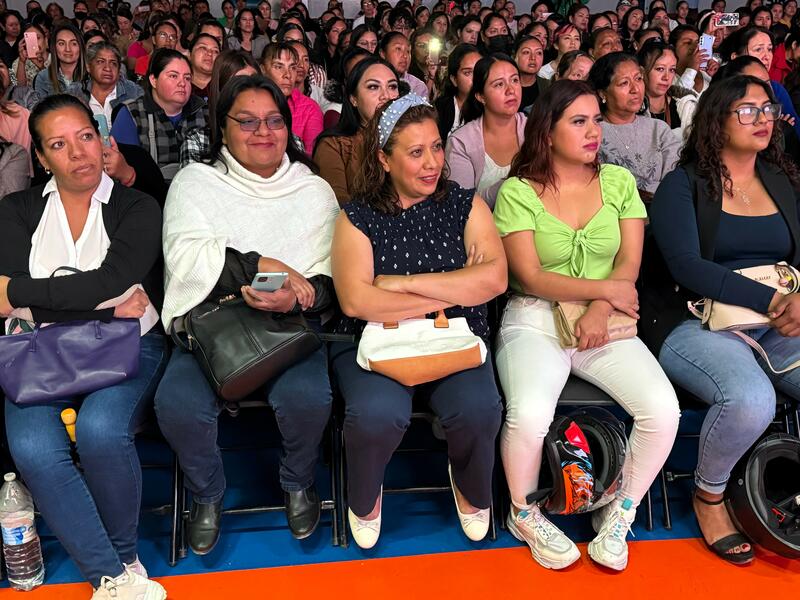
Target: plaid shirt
{"x": 197, "y": 145}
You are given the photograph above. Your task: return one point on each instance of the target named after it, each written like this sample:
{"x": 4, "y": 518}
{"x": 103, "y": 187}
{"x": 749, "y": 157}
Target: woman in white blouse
{"x": 81, "y": 219}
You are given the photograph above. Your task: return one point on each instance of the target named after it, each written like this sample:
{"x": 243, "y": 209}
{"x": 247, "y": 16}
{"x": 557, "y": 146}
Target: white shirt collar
{"x": 101, "y": 194}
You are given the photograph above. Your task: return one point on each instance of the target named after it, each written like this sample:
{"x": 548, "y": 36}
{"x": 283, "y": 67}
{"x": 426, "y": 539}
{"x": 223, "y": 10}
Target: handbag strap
{"x": 440, "y": 322}
{"x": 758, "y": 348}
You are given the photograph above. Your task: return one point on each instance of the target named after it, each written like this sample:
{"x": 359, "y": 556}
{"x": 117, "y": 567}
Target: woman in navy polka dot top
{"x": 408, "y": 244}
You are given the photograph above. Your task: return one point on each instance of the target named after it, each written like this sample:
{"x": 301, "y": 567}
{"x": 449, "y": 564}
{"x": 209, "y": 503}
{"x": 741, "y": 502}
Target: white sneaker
{"x": 549, "y": 546}
{"x": 137, "y": 567}
{"x": 129, "y": 586}
{"x": 366, "y": 533}
{"x": 609, "y": 548}
{"x": 475, "y": 525}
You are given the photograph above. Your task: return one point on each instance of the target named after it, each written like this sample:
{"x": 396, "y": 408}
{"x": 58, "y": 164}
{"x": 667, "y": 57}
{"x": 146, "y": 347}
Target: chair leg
{"x": 183, "y": 547}
{"x": 177, "y": 516}
{"x": 665, "y": 501}
{"x": 648, "y": 502}
{"x": 343, "y": 541}
{"x": 492, "y": 525}
{"x": 334, "y": 474}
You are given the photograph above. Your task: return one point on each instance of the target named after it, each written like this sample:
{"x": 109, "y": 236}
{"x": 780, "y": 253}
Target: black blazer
{"x": 662, "y": 301}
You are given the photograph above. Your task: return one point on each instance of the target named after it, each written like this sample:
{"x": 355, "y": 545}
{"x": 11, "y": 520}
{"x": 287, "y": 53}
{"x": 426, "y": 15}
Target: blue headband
{"x": 393, "y": 113}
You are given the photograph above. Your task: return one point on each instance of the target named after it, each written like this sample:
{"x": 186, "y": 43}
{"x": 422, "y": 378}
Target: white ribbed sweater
{"x": 288, "y": 217}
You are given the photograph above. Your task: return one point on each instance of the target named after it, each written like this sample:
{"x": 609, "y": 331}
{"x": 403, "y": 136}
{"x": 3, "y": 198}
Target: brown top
{"x": 339, "y": 159}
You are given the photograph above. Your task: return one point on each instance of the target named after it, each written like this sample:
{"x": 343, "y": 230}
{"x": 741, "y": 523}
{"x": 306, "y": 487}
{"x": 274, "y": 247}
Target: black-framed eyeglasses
{"x": 251, "y": 124}
{"x": 750, "y": 114}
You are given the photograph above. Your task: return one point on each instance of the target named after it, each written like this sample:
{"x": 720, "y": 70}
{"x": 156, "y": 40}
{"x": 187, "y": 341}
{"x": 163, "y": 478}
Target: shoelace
{"x": 619, "y": 530}
{"x": 110, "y": 585}
{"x": 540, "y": 524}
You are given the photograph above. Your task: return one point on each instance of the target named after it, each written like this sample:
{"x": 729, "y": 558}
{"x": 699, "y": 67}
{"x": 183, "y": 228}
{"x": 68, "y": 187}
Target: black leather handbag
{"x": 240, "y": 348}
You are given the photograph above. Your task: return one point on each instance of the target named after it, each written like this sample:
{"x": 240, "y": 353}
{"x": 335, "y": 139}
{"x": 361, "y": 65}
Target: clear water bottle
{"x": 21, "y": 547}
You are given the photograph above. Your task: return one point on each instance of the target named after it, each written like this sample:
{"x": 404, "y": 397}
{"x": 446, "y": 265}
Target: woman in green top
{"x": 573, "y": 231}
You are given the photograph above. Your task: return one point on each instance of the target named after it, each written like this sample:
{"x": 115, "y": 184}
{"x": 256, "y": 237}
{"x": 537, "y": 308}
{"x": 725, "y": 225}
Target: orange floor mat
{"x": 659, "y": 569}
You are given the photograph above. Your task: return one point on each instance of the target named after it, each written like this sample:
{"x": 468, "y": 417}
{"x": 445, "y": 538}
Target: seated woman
{"x": 665, "y": 101}
{"x": 82, "y": 219}
{"x": 103, "y": 90}
{"x": 339, "y": 150}
{"x": 574, "y": 65}
{"x": 279, "y": 63}
{"x": 66, "y": 61}
{"x": 410, "y": 243}
{"x": 245, "y": 31}
{"x": 165, "y": 35}
{"x": 215, "y": 220}
{"x": 27, "y": 66}
{"x": 573, "y": 231}
{"x": 450, "y": 104}
{"x": 730, "y": 204}
{"x": 529, "y": 56}
{"x": 757, "y": 42}
{"x": 15, "y": 167}
{"x": 160, "y": 119}
{"x": 14, "y": 124}
{"x": 565, "y": 39}
{"x": 479, "y": 153}
{"x": 604, "y": 41}
{"x": 646, "y": 147}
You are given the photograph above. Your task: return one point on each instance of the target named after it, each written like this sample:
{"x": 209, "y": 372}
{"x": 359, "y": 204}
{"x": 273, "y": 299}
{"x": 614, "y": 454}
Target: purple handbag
{"x": 68, "y": 359}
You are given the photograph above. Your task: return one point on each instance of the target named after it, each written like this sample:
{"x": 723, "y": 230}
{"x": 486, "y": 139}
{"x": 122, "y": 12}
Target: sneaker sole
{"x": 618, "y": 566}
{"x": 546, "y": 563}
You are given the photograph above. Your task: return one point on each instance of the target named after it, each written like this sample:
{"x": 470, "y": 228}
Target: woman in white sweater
{"x": 255, "y": 206}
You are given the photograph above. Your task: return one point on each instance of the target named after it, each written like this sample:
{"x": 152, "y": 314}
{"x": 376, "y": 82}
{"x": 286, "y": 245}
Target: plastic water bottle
{"x": 21, "y": 547}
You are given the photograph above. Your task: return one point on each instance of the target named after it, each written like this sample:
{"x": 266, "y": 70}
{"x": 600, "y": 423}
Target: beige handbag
{"x": 718, "y": 316}
{"x": 416, "y": 351}
{"x": 566, "y": 314}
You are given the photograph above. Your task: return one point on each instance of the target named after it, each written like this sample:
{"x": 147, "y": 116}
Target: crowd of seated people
{"x": 417, "y": 160}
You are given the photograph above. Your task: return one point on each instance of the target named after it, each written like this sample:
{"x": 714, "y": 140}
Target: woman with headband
{"x": 411, "y": 243}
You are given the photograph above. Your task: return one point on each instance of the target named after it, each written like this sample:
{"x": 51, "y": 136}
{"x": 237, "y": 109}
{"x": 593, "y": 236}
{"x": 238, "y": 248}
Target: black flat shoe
{"x": 722, "y": 547}
{"x": 203, "y": 526}
{"x": 302, "y": 511}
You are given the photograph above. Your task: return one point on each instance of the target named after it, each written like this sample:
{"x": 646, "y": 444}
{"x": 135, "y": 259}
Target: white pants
{"x": 533, "y": 370}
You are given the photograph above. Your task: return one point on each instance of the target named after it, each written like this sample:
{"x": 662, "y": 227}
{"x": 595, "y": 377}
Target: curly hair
{"x": 373, "y": 185}
{"x": 707, "y": 138}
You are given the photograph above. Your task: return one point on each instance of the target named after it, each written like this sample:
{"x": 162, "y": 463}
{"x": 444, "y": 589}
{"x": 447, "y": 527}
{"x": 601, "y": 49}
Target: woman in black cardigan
{"x": 112, "y": 234}
{"x": 456, "y": 89}
{"x": 731, "y": 204}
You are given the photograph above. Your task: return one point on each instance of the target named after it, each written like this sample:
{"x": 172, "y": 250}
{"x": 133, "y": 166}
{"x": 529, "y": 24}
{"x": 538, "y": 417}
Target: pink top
{"x": 136, "y": 50}
{"x": 306, "y": 119}
{"x": 14, "y": 128}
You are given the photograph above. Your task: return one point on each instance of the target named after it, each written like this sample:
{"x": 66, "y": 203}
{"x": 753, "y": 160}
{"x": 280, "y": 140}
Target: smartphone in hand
{"x": 268, "y": 282}
{"x": 31, "y": 44}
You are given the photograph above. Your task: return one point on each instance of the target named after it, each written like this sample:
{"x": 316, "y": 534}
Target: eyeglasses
{"x": 750, "y": 114}
{"x": 167, "y": 36}
{"x": 273, "y": 122}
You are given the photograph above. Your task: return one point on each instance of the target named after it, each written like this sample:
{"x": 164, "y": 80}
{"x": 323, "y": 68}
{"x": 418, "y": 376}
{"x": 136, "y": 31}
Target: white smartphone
{"x": 707, "y": 44}
{"x": 268, "y": 282}
{"x": 102, "y": 125}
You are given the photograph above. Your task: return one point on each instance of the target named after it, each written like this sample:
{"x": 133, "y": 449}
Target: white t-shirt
{"x": 105, "y": 108}
{"x": 492, "y": 173}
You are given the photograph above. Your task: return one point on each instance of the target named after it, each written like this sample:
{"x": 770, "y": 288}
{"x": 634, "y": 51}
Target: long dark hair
{"x": 55, "y": 65}
{"x": 737, "y": 42}
{"x": 534, "y": 160}
{"x": 373, "y": 186}
{"x": 227, "y": 96}
{"x": 474, "y": 109}
{"x": 237, "y": 24}
{"x": 225, "y": 66}
{"x": 458, "y": 54}
{"x": 350, "y": 121}
{"x": 708, "y": 138}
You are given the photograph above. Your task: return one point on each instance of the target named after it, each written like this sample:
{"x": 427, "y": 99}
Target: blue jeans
{"x": 94, "y": 514}
{"x": 725, "y": 373}
{"x": 378, "y": 412}
{"x": 188, "y": 409}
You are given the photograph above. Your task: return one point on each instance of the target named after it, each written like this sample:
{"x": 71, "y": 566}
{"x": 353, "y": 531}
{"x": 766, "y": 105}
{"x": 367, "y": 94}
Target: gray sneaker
{"x": 549, "y": 546}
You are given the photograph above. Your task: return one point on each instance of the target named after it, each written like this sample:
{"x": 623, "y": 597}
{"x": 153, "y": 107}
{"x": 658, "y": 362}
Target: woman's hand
{"x": 788, "y": 118}
{"x": 473, "y": 258}
{"x": 592, "y": 328}
{"x": 281, "y": 301}
{"x": 785, "y": 315}
{"x": 5, "y": 305}
{"x": 115, "y": 165}
{"x": 133, "y": 307}
{"x": 391, "y": 283}
{"x": 302, "y": 289}
{"x": 622, "y": 295}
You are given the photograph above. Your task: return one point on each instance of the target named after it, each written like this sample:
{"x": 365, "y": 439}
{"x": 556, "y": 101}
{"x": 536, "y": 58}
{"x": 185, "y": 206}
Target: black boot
{"x": 302, "y": 511}
{"x": 203, "y": 526}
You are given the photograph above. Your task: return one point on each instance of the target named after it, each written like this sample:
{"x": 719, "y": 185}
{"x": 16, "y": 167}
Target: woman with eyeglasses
{"x": 217, "y": 223}
{"x": 730, "y": 204}
{"x": 165, "y": 36}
